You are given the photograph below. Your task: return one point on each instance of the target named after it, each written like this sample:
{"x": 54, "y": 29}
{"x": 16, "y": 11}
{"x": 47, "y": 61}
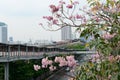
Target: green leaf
{"x": 118, "y": 78}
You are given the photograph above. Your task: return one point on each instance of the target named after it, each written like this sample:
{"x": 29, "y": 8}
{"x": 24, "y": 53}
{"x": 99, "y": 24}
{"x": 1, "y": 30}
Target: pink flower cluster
{"x": 58, "y": 14}
{"x": 69, "y": 6}
{"x": 78, "y": 17}
{"x": 96, "y": 18}
{"x": 36, "y": 67}
{"x": 54, "y": 8}
{"x": 61, "y": 61}
{"x": 52, "y": 68}
{"x": 46, "y": 62}
{"x": 114, "y": 9}
{"x": 71, "y": 61}
{"x": 112, "y": 58}
{"x": 50, "y": 18}
{"x": 61, "y": 2}
{"x": 108, "y": 36}
{"x": 95, "y": 57}
{"x": 67, "y": 61}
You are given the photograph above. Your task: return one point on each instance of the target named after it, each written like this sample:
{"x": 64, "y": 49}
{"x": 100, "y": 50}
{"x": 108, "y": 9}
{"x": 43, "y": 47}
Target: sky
{"x": 23, "y": 18}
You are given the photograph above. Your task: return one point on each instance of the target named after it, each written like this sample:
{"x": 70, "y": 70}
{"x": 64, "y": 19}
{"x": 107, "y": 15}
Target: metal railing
{"x": 10, "y": 52}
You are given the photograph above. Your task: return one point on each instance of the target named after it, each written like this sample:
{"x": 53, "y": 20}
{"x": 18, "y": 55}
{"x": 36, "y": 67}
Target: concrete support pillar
{"x": 27, "y": 53}
{"x": 33, "y": 51}
{"x": 19, "y": 53}
{"x": 6, "y": 71}
{"x": 38, "y": 53}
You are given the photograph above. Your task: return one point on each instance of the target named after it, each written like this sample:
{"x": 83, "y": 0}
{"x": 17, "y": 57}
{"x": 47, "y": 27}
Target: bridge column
{"x": 27, "y": 53}
{"x": 38, "y": 54}
{"x": 6, "y": 65}
{"x": 19, "y": 53}
{"x": 6, "y": 71}
{"x": 33, "y": 52}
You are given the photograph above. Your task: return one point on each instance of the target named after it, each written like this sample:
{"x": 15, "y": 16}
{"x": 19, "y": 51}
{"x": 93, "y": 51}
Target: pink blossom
{"x": 59, "y": 6}
{"x": 50, "y": 62}
{"x": 70, "y": 58}
{"x": 93, "y": 60}
{"x": 75, "y": 2}
{"x": 95, "y": 57}
{"x": 57, "y": 59}
{"x": 61, "y": 2}
{"x": 58, "y": 15}
{"x": 48, "y": 17}
{"x": 36, "y": 67}
{"x": 70, "y": 17}
{"x": 108, "y": 35}
{"x": 45, "y": 62}
{"x": 43, "y": 66}
{"x": 78, "y": 16}
{"x": 52, "y": 68}
{"x": 62, "y": 62}
{"x": 69, "y": 6}
{"x": 55, "y": 21}
{"x": 111, "y": 58}
{"x": 54, "y": 8}
{"x": 96, "y": 18}
{"x": 67, "y": 61}
{"x": 71, "y": 61}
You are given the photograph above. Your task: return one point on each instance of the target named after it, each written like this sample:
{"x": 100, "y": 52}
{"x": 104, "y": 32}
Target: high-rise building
{"x": 3, "y": 32}
{"x": 66, "y": 33}
{"x": 11, "y": 39}
{"x": 73, "y": 36}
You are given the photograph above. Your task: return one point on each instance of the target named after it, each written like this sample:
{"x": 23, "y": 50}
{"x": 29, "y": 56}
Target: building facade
{"x": 66, "y": 33}
{"x": 3, "y": 33}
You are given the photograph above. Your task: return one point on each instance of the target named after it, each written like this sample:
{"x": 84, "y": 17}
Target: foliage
{"x": 102, "y": 21}
{"x": 75, "y": 46}
{"x": 106, "y": 69}
{"x": 1, "y": 71}
{"x": 58, "y": 61}
{"x": 104, "y": 25}
{"x": 23, "y": 70}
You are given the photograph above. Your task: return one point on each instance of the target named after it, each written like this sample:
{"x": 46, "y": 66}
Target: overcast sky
{"x": 23, "y": 17}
